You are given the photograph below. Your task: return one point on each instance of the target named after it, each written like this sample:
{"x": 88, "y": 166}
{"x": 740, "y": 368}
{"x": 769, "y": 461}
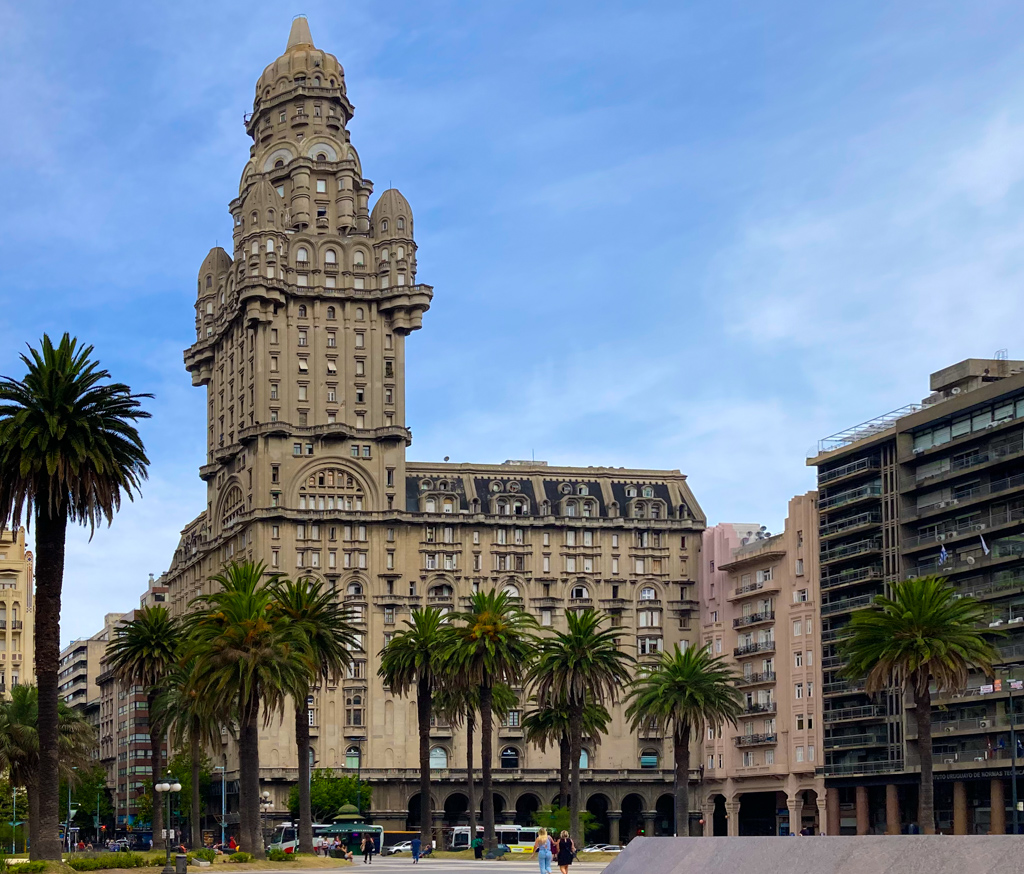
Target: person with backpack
{"x": 544, "y": 848}
{"x": 566, "y": 852}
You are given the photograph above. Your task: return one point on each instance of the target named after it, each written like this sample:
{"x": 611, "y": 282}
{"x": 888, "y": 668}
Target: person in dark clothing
{"x": 478, "y": 847}
{"x": 416, "y": 845}
{"x": 566, "y": 850}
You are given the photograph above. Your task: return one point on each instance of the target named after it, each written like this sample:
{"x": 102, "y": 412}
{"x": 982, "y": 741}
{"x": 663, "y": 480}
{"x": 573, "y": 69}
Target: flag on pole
{"x": 984, "y": 545}
{"x": 943, "y": 556}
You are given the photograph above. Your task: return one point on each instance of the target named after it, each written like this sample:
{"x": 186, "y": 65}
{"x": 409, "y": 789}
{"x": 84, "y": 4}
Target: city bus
{"x": 518, "y": 838}
{"x": 286, "y": 836}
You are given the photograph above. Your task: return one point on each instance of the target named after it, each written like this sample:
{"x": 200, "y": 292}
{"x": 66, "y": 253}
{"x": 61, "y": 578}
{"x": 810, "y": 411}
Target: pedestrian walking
{"x": 566, "y": 851}
{"x": 368, "y": 848}
{"x": 478, "y": 847}
{"x": 416, "y": 846}
{"x": 544, "y": 848}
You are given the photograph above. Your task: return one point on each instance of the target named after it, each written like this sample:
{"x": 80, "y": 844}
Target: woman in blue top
{"x": 543, "y": 848}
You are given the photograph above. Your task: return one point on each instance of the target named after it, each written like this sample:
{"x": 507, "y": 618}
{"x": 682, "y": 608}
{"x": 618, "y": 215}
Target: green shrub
{"x": 109, "y": 860}
{"x": 241, "y": 857}
{"x": 278, "y": 855}
{"x": 206, "y": 854}
{"x": 25, "y": 867}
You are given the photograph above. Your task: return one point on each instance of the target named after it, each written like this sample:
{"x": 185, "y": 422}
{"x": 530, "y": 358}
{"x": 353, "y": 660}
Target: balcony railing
{"x": 756, "y": 587}
{"x": 995, "y": 487}
{"x": 858, "y": 466}
{"x": 846, "y": 605}
{"x": 850, "y": 496}
{"x": 849, "y": 714}
{"x": 851, "y": 576}
{"x": 755, "y": 740}
{"x": 872, "y": 517}
{"x": 855, "y": 740}
{"x": 848, "y": 550}
{"x": 875, "y": 767}
{"x": 752, "y": 709}
{"x": 841, "y": 687}
{"x": 983, "y": 456}
{"x": 965, "y": 529}
{"x": 755, "y": 679}
{"x": 754, "y": 619}
{"x": 751, "y": 648}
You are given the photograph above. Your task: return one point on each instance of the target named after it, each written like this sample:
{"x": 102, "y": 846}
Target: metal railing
{"x": 751, "y": 648}
{"x": 996, "y": 486}
{"x": 751, "y": 709}
{"x": 754, "y": 618}
{"x": 855, "y": 740}
{"x": 753, "y": 740}
{"x": 846, "y": 605}
{"x": 965, "y": 529}
{"x": 754, "y": 679}
{"x": 848, "y": 714}
{"x": 839, "y": 687}
{"x": 983, "y": 456}
{"x": 843, "y": 768}
{"x": 851, "y": 549}
{"x": 872, "y": 517}
{"x": 866, "y": 429}
{"x": 858, "y": 466}
{"x": 849, "y": 496}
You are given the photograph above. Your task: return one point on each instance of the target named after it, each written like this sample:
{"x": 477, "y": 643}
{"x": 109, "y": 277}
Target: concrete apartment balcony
{"x": 755, "y": 740}
{"x": 854, "y": 714}
{"x": 849, "y": 471}
{"x": 763, "y": 646}
{"x": 846, "y": 605}
{"x": 754, "y": 619}
{"x": 980, "y": 458}
{"x": 871, "y": 739}
{"x": 755, "y": 679}
{"x": 846, "y": 551}
{"x": 849, "y": 497}
{"x": 851, "y": 577}
{"x": 967, "y": 497}
{"x": 851, "y": 524}
{"x": 862, "y": 768}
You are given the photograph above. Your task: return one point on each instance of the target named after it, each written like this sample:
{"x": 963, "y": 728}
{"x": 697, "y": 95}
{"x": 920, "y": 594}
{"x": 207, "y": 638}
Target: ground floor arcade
{"x": 763, "y": 806}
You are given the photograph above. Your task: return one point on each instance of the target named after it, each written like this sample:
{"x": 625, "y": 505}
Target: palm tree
{"x": 919, "y": 635}
{"x": 549, "y": 724}
{"x": 580, "y": 665}
{"x": 68, "y": 451}
{"x": 192, "y": 718}
{"x": 685, "y": 689}
{"x": 327, "y": 637}
{"x": 143, "y": 652}
{"x": 415, "y": 658}
{"x": 246, "y": 660}
{"x": 492, "y": 643}
{"x": 19, "y": 746}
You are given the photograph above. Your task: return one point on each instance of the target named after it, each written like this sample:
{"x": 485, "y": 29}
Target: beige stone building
{"x": 300, "y": 346}
{"x": 760, "y": 599}
{"x": 17, "y": 615}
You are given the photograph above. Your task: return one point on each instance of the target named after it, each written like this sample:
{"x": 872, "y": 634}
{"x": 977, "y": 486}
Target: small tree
{"x": 559, "y": 819}
{"x": 328, "y": 793}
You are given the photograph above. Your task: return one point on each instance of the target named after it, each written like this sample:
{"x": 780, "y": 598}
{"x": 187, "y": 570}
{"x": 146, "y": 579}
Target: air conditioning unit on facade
{"x": 983, "y": 723}
{"x": 948, "y": 729}
{"x": 948, "y": 761}
{"x": 940, "y": 536}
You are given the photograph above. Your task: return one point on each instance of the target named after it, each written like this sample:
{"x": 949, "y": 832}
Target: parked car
{"x": 403, "y": 847}
{"x": 602, "y": 848}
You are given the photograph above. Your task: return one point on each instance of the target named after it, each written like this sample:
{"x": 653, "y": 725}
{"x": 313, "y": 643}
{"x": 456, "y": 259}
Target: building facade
{"x": 17, "y": 614}
{"x": 760, "y": 609}
{"x": 936, "y": 487}
{"x": 300, "y": 346}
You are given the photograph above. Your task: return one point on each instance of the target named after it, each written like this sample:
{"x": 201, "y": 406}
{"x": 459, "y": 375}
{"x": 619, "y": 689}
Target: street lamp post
{"x": 167, "y": 788}
{"x": 68, "y": 829}
{"x": 266, "y": 805}
{"x": 223, "y": 800}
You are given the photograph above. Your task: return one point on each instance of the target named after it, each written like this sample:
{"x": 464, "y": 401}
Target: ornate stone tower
{"x": 300, "y": 333}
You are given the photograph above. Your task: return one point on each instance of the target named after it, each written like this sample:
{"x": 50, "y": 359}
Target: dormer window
{"x": 209, "y": 282}
{"x": 648, "y": 492}
{"x": 630, "y": 492}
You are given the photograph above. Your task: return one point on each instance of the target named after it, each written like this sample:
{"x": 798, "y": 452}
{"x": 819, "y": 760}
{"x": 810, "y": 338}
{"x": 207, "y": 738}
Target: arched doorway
{"x": 412, "y": 820}
{"x": 499, "y": 810}
{"x": 456, "y": 809}
{"x": 665, "y": 821}
{"x": 759, "y": 813}
{"x": 598, "y": 806}
{"x": 719, "y": 819}
{"x": 632, "y": 822}
{"x": 526, "y": 806}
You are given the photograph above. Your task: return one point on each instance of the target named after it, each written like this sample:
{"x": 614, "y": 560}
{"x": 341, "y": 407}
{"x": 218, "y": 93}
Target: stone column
{"x": 832, "y": 818}
{"x": 649, "y": 817}
{"x": 732, "y": 811}
{"x": 998, "y": 807}
{"x": 437, "y": 822}
{"x": 892, "y": 809}
{"x": 613, "y": 827}
{"x": 822, "y": 804}
{"x": 959, "y": 808}
{"x": 863, "y": 816}
{"x": 795, "y": 805}
{"x": 709, "y": 818}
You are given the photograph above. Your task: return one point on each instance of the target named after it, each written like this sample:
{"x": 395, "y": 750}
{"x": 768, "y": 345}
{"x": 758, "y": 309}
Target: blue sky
{"x": 671, "y": 235}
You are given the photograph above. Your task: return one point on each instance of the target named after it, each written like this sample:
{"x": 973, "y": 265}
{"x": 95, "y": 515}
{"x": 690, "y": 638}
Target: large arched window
{"x": 401, "y": 223}
{"x": 438, "y": 757}
{"x": 579, "y": 592}
{"x": 448, "y": 506}
{"x": 570, "y": 508}
{"x": 330, "y": 257}
{"x": 384, "y": 225}
{"x": 442, "y": 591}
{"x": 270, "y": 245}
{"x": 255, "y": 247}
{"x": 352, "y": 757}
{"x": 584, "y": 760}
{"x": 502, "y": 506}
{"x": 355, "y": 589}
{"x": 302, "y": 254}
{"x": 511, "y": 591}
{"x": 430, "y": 505}
{"x": 648, "y": 594}
{"x": 509, "y": 757}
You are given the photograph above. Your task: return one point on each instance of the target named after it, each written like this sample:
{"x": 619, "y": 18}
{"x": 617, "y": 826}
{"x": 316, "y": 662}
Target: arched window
{"x": 331, "y": 257}
{"x": 448, "y": 506}
{"x": 321, "y": 156}
{"x": 359, "y": 259}
{"x": 400, "y": 253}
{"x": 511, "y": 591}
{"x": 631, "y": 492}
{"x": 579, "y": 592}
{"x": 355, "y": 588}
{"x": 385, "y": 255}
{"x": 384, "y": 225}
{"x": 584, "y": 760}
{"x": 302, "y": 311}
{"x": 330, "y": 312}
{"x": 438, "y": 757}
{"x": 648, "y": 594}
{"x": 255, "y": 247}
{"x": 655, "y": 511}
{"x": 209, "y": 308}
{"x": 582, "y": 490}
{"x": 255, "y": 217}
{"x": 430, "y": 505}
{"x": 270, "y": 245}
{"x": 401, "y": 223}
{"x": 570, "y": 508}
{"x": 442, "y": 591}
{"x": 648, "y": 492}
{"x": 360, "y": 314}
{"x": 278, "y": 163}
{"x": 509, "y": 757}
{"x": 270, "y": 217}
{"x": 502, "y": 507}
{"x": 352, "y": 757}
{"x": 518, "y": 508}
{"x": 209, "y": 281}
{"x": 649, "y": 759}
{"x": 588, "y": 508}
{"x": 639, "y": 510}
{"x": 302, "y": 254}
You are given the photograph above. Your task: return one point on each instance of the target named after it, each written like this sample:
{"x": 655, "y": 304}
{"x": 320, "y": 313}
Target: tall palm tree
{"x": 919, "y": 635}
{"x": 580, "y": 665}
{"x": 491, "y": 642}
{"x": 414, "y": 658}
{"x": 68, "y": 451}
{"x": 685, "y": 689}
{"x": 19, "y": 746}
{"x": 246, "y": 660}
{"x": 192, "y": 718}
{"x": 143, "y": 652}
{"x": 548, "y": 723}
{"x": 327, "y": 637}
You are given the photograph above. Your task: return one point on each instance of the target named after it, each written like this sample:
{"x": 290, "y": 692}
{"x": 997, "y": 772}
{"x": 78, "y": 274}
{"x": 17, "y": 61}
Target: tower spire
{"x": 299, "y": 36}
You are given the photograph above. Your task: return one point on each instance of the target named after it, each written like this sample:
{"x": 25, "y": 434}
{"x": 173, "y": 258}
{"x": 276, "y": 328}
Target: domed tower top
{"x": 392, "y": 216}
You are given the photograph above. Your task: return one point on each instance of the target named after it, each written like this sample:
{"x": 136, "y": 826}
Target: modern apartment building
{"x": 80, "y": 667}
{"x": 760, "y": 609}
{"x": 300, "y": 347}
{"x": 17, "y": 615}
{"x": 935, "y": 487}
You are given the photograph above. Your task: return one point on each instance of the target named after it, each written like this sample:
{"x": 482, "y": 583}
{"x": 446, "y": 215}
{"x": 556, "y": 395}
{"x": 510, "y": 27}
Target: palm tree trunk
{"x": 681, "y": 742}
{"x": 305, "y": 805}
{"x": 575, "y": 743}
{"x": 926, "y": 800}
{"x": 156, "y": 742}
{"x": 563, "y": 771}
{"x": 470, "y": 782}
{"x": 424, "y": 703}
{"x": 486, "y": 754}
{"x": 32, "y": 791}
{"x": 249, "y": 776}
{"x": 51, "y": 533}
{"x": 197, "y": 755}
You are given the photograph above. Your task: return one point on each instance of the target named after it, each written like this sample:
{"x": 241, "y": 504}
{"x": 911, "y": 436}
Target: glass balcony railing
{"x": 850, "y": 496}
